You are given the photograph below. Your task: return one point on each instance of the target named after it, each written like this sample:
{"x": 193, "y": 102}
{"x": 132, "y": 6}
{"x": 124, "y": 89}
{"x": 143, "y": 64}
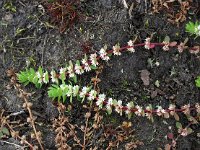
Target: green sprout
{"x": 30, "y": 76}
{"x": 197, "y": 82}
{"x": 193, "y": 28}
{"x": 10, "y": 7}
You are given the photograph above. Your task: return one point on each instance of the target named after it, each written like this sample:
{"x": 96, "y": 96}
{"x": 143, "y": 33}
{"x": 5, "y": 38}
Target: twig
{"x": 27, "y": 104}
{"x": 16, "y": 145}
{"x": 85, "y": 131}
{"x": 16, "y": 135}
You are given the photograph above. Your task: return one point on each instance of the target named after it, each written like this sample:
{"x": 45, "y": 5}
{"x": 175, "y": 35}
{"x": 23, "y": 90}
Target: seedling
{"x": 193, "y": 28}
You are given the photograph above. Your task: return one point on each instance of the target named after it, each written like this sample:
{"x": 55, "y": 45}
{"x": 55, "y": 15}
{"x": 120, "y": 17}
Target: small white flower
{"x": 85, "y": 64}
{"x": 45, "y": 80}
{"x": 53, "y": 77}
{"x": 103, "y": 54}
{"x": 93, "y": 59}
{"x": 62, "y": 70}
{"x": 70, "y": 71}
{"x": 39, "y": 76}
{"x": 157, "y": 63}
{"x": 83, "y": 92}
{"x": 148, "y": 114}
{"x": 186, "y": 109}
{"x": 70, "y": 90}
{"x": 197, "y": 106}
{"x": 197, "y": 30}
{"x": 63, "y": 87}
{"x": 172, "y": 109}
{"x": 78, "y": 69}
{"x": 116, "y": 50}
{"x": 166, "y": 46}
{"x": 198, "y": 27}
{"x": 129, "y": 107}
{"x": 75, "y": 90}
{"x": 87, "y": 67}
{"x": 84, "y": 60}
{"x": 139, "y": 110}
{"x": 118, "y": 107}
{"x": 109, "y": 104}
{"x": 183, "y": 132}
{"x": 100, "y": 100}
{"x": 147, "y": 43}
{"x": 160, "y": 111}
{"x": 131, "y": 49}
{"x": 92, "y": 95}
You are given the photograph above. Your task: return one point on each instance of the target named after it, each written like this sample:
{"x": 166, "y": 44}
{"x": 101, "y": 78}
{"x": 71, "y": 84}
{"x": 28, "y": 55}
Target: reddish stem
{"x": 124, "y": 108}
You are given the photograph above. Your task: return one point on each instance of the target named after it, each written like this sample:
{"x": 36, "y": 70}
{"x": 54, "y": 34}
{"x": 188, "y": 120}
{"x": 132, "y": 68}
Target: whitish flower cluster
{"x": 166, "y": 46}
{"x": 129, "y": 109}
{"x": 147, "y": 43}
{"x": 116, "y": 50}
{"x": 42, "y": 77}
{"x": 197, "y": 30}
{"x": 70, "y": 70}
{"x": 103, "y": 54}
{"x": 131, "y": 49}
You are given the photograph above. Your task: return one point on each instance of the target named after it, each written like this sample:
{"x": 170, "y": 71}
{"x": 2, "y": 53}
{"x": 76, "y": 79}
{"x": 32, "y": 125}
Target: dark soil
{"x": 106, "y": 22}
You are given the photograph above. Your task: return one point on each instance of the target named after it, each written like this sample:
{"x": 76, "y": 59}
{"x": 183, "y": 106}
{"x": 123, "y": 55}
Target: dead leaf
{"x": 144, "y": 75}
{"x": 167, "y": 147}
{"x": 130, "y": 10}
{"x": 154, "y": 94}
{"x": 176, "y": 116}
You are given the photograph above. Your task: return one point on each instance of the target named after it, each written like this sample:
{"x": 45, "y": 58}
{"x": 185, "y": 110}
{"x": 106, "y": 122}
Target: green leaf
{"x": 129, "y": 115}
{"x": 63, "y": 74}
{"x": 75, "y": 78}
{"x": 1, "y": 135}
{"x": 115, "y": 102}
{"x": 190, "y": 27}
{"x": 109, "y": 111}
{"x": 64, "y": 97}
{"x": 197, "y": 82}
{"x": 40, "y": 70}
{"x": 27, "y": 76}
{"x": 38, "y": 85}
{"x": 78, "y": 62}
{"x": 167, "y": 39}
{"x": 55, "y": 92}
{"x": 93, "y": 67}
{"x": 189, "y": 130}
{"x": 46, "y": 77}
{"x": 83, "y": 99}
{"x": 110, "y": 54}
{"x": 5, "y": 131}
{"x": 178, "y": 125}
{"x": 71, "y": 99}
{"x": 51, "y": 1}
